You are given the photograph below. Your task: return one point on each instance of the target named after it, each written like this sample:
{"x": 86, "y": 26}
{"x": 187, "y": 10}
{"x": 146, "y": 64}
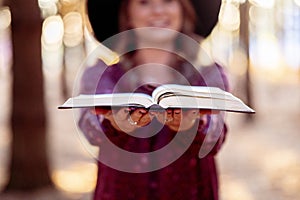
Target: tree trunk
{"x": 244, "y": 40}
{"x": 29, "y": 161}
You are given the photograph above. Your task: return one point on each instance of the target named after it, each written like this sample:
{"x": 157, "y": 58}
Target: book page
{"x": 186, "y": 90}
{"x": 202, "y": 97}
{"x": 205, "y": 103}
{"x": 115, "y": 99}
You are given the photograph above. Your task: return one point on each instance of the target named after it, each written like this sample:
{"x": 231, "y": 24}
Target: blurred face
{"x": 156, "y": 14}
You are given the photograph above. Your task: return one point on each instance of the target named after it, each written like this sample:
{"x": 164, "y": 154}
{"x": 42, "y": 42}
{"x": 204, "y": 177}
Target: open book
{"x": 163, "y": 97}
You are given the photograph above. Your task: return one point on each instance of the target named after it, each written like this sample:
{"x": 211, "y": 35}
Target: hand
{"x": 125, "y": 119}
{"x": 181, "y": 120}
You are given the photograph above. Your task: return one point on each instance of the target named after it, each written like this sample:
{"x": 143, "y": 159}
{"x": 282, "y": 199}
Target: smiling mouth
{"x": 159, "y": 24}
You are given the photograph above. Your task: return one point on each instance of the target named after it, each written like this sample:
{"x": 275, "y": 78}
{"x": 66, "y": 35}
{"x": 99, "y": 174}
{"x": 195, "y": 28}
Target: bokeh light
{"x": 237, "y": 62}
{"x": 67, "y": 6}
{"x": 266, "y": 52}
{"x": 73, "y": 29}
{"x": 52, "y": 33}
{"x": 96, "y": 50}
{"x": 79, "y": 178}
{"x": 229, "y": 17}
{"x": 52, "y": 44}
{"x": 48, "y": 7}
{"x": 263, "y": 3}
{"x": 5, "y": 18}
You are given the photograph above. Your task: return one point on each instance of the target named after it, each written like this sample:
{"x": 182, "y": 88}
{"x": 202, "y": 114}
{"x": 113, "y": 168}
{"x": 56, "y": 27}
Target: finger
{"x": 208, "y": 111}
{"x": 192, "y": 114}
{"x": 145, "y": 119}
{"x": 160, "y": 116}
{"x": 100, "y": 110}
{"x": 177, "y": 114}
{"x": 169, "y": 116}
{"x": 137, "y": 114}
{"x": 121, "y": 114}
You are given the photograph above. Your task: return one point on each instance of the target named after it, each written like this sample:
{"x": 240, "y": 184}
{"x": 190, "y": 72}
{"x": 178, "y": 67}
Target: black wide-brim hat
{"x": 103, "y": 16}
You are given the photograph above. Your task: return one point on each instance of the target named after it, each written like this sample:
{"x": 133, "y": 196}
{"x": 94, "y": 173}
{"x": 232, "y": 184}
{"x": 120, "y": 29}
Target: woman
{"x": 155, "y": 51}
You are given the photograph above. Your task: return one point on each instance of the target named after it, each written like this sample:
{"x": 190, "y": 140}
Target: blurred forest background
{"x": 43, "y": 44}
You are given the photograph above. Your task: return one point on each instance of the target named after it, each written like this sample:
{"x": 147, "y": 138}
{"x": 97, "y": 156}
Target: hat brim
{"x": 103, "y": 16}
